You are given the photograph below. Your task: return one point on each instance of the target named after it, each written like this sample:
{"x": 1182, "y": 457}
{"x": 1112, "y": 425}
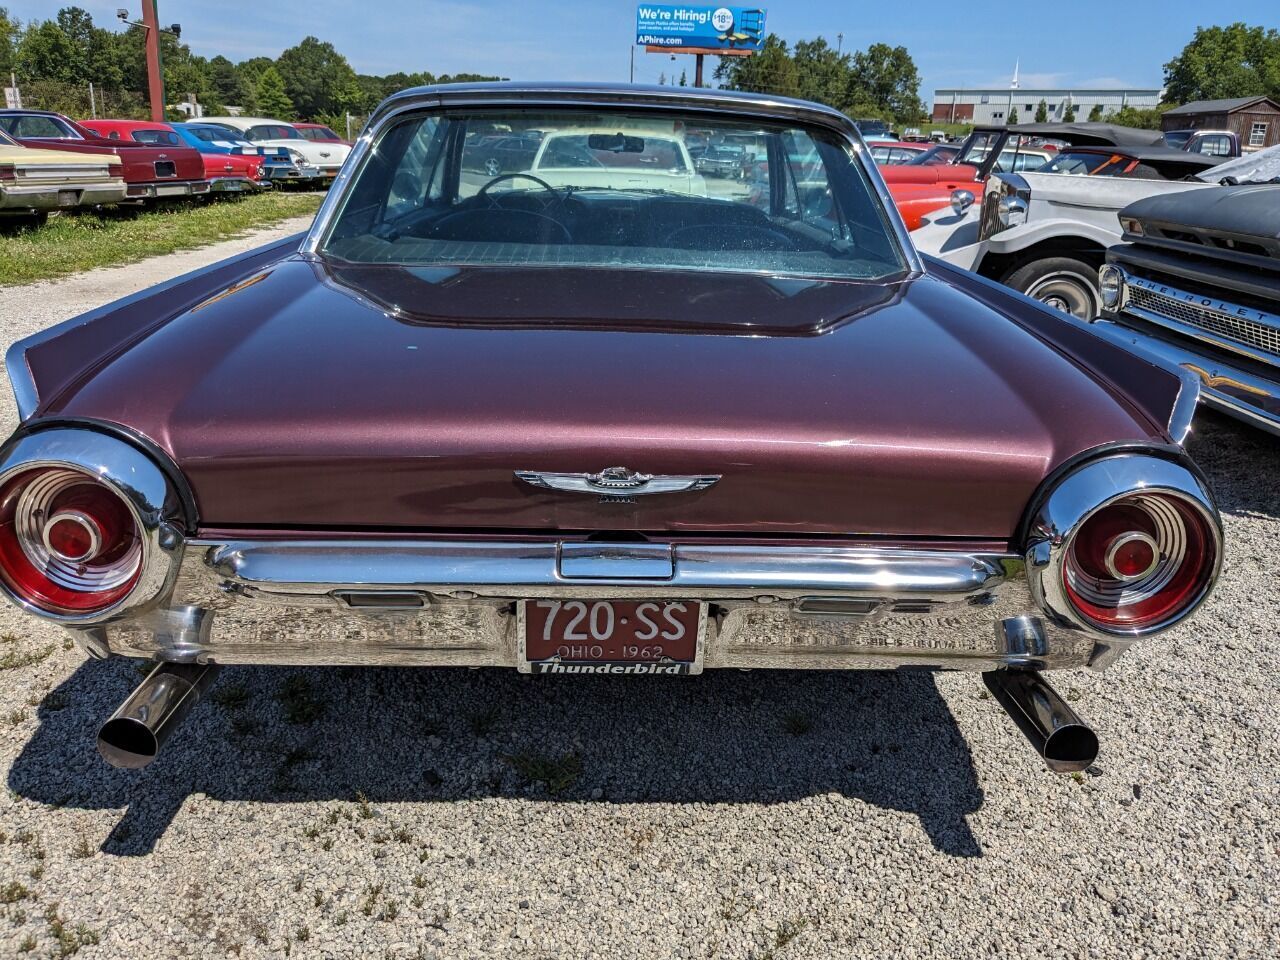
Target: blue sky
{"x": 954, "y": 43}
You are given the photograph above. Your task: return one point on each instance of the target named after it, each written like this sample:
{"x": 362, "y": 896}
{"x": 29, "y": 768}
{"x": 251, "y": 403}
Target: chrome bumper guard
{"x": 454, "y": 603}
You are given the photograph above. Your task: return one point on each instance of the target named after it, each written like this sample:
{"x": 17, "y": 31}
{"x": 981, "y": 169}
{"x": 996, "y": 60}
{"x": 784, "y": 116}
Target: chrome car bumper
{"x": 236, "y": 185}
{"x": 164, "y": 189}
{"x": 456, "y": 603}
{"x": 25, "y": 198}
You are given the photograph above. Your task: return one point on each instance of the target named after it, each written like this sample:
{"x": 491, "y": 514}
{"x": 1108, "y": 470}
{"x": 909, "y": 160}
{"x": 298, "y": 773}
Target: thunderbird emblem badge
{"x": 616, "y": 484}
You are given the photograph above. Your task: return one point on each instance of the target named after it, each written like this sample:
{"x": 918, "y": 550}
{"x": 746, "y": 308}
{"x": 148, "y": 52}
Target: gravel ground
{"x": 455, "y": 813}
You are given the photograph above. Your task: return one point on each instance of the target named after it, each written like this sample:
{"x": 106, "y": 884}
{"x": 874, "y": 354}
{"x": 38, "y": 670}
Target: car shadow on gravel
{"x": 272, "y": 735}
{"x": 1241, "y": 462}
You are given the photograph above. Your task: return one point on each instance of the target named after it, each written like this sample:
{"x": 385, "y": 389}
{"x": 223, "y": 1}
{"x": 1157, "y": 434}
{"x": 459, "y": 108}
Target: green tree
{"x": 823, "y": 74}
{"x": 1096, "y": 113}
{"x": 45, "y": 53}
{"x": 886, "y": 77}
{"x": 1013, "y": 116}
{"x": 1222, "y": 62}
{"x": 1042, "y": 112}
{"x": 270, "y": 98}
{"x": 772, "y": 70}
{"x": 318, "y": 79}
{"x": 1142, "y": 119}
{"x": 1070, "y": 115}
{"x": 225, "y": 80}
{"x": 10, "y": 31}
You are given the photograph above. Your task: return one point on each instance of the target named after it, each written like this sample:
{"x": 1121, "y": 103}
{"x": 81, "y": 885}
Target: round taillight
{"x": 68, "y": 544}
{"x": 1139, "y": 562}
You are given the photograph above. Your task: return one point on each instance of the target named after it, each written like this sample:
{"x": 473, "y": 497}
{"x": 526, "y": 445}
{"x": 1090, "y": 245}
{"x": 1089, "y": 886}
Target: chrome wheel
{"x": 1067, "y": 291}
{"x": 492, "y": 167}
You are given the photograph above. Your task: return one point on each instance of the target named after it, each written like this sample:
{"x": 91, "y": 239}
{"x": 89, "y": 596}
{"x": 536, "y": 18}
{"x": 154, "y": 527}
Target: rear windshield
{"x": 163, "y": 137}
{"x": 273, "y": 131}
{"x": 613, "y": 189}
{"x": 1067, "y": 161}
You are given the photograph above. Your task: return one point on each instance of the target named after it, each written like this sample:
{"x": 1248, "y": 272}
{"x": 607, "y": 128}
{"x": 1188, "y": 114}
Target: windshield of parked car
{"x": 1080, "y": 164}
{"x": 941, "y": 153}
{"x": 273, "y": 131}
{"x": 39, "y": 127}
{"x": 613, "y": 189}
{"x": 1177, "y": 138}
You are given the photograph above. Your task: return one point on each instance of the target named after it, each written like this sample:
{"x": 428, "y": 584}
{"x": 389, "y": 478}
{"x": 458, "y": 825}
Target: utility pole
{"x": 155, "y": 76}
{"x": 839, "y": 43}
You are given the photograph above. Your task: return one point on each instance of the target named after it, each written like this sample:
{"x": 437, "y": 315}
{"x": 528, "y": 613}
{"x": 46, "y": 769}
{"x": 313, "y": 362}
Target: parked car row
{"x": 52, "y": 162}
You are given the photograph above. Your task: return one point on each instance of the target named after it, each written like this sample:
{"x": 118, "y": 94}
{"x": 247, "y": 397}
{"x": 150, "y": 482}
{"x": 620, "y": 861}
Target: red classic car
{"x": 599, "y": 423}
{"x": 226, "y": 172}
{"x": 150, "y": 172}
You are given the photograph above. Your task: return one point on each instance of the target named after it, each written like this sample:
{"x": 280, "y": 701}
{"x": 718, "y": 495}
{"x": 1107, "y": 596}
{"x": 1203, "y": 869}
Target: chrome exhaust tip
{"x": 134, "y": 734}
{"x": 1065, "y": 742}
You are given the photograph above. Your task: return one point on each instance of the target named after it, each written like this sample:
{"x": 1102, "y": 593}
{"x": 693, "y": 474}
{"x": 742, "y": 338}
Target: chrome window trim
{"x": 1080, "y": 495}
{"x": 480, "y": 95}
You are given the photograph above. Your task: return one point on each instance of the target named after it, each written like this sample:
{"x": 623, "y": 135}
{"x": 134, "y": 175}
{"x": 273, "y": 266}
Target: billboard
{"x": 703, "y": 28}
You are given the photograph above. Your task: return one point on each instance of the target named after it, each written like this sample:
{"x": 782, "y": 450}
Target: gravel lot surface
{"x": 455, "y": 813}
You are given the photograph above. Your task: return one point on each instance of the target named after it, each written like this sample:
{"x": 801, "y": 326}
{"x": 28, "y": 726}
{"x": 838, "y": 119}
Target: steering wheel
{"x": 556, "y": 198}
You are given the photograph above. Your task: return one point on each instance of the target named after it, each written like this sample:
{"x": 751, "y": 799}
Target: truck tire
{"x": 1064, "y": 283}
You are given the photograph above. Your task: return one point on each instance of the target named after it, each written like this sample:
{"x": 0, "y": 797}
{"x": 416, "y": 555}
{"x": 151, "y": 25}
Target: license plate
{"x": 611, "y": 636}
{"x": 68, "y": 198}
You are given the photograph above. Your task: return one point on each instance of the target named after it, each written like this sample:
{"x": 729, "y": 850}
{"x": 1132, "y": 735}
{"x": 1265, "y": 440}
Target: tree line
{"x": 56, "y": 60}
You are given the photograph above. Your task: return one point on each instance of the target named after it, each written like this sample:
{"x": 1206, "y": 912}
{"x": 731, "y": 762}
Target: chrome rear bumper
{"x": 455, "y": 603}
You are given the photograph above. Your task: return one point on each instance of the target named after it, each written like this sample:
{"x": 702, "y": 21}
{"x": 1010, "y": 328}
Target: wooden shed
{"x": 1255, "y": 120}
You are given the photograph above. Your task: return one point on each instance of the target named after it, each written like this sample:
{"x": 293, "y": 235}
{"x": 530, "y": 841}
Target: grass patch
{"x": 558, "y": 774}
{"x": 14, "y": 660}
{"x": 74, "y": 243}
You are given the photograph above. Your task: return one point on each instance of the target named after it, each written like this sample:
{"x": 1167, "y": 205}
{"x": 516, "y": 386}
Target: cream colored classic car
{"x": 33, "y": 182}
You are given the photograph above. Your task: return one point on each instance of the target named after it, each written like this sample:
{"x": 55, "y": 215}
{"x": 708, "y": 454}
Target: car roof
{"x": 614, "y": 95}
{"x": 1087, "y": 134}
{"x": 128, "y": 124}
{"x": 1156, "y": 154}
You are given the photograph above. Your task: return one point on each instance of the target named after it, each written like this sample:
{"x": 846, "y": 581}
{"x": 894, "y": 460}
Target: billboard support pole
{"x": 697, "y": 70}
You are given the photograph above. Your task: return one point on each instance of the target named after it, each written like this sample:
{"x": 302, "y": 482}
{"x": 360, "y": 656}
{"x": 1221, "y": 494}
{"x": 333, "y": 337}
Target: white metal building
{"x": 993, "y": 105}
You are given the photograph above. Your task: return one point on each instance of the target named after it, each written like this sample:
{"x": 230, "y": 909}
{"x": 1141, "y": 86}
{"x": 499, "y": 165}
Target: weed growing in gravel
{"x": 366, "y": 808}
{"x": 13, "y": 891}
{"x": 371, "y": 899}
{"x": 16, "y": 717}
{"x": 390, "y": 910}
{"x": 1073, "y": 694}
{"x": 230, "y": 696}
{"x": 300, "y": 704}
{"x": 483, "y": 721}
{"x": 67, "y": 941}
{"x": 557, "y": 774}
{"x": 440, "y": 918}
{"x": 317, "y": 900}
{"x": 53, "y": 701}
{"x": 402, "y": 835}
{"x": 15, "y": 660}
{"x": 419, "y": 881}
{"x": 797, "y": 724}
{"x": 83, "y": 850}
{"x": 327, "y": 844}
{"x": 258, "y": 929}
{"x": 340, "y": 919}
{"x": 787, "y": 931}
{"x": 27, "y": 945}
{"x": 303, "y": 935}
{"x": 416, "y": 900}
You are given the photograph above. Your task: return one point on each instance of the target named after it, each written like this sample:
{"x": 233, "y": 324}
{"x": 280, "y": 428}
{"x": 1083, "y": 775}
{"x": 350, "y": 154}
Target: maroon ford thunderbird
{"x": 602, "y": 415}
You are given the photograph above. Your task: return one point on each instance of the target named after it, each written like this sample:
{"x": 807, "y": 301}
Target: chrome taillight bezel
{"x": 132, "y": 476}
{"x": 1078, "y": 496}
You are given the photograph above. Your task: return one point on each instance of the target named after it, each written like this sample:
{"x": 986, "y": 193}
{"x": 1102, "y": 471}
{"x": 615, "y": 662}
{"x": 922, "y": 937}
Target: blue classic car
{"x": 278, "y": 163}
